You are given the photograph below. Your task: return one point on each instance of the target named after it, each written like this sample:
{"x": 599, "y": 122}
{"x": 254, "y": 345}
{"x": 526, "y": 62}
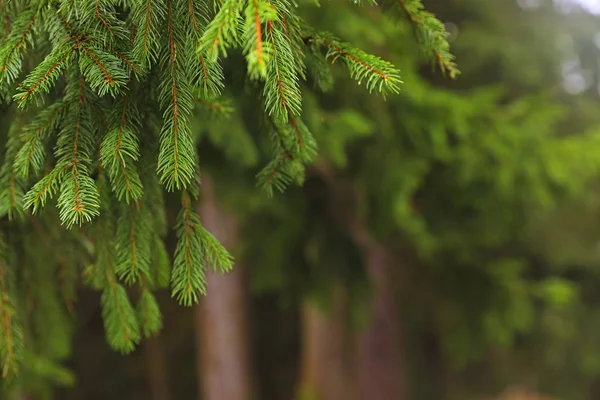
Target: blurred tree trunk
{"x": 380, "y": 365}
{"x": 157, "y": 368}
{"x": 326, "y": 365}
{"x": 222, "y": 330}
{"x": 378, "y": 362}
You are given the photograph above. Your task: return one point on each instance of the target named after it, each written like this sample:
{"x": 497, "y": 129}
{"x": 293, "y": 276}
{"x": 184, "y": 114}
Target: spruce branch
{"x": 133, "y": 243}
{"x": 257, "y": 52}
{"x": 205, "y": 73}
{"x": 120, "y": 321}
{"x": 304, "y": 145}
{"x": 278, "y": 138}
{"x": 119, "y": 150}
{"x": 45, "y": 188}
{"x": 192, "y": 13}
{"x": 148, "y": 313}
{"x": 79, "y": 200}
{"x": 215, "y": 255}
{"x": 15, "y": 45}
{"x": 98, "y": 19}
{"x": 378, "y": 75}
{"x": 293, "y": 147}
{"x": 103, "y": 71}
{"x": 32, "y": 154}
{"x": 44, "y": 76}
{"x": 147, "y": 16}
{"x": 274, "y": 175}
{"x": 187, "y": 277}
{"x": 102, "y": 20}
{"x": 196, "y": 250}
{"x": 291, "y": 25}
{"x": 209, "y": 76}
{"x": 57, "y": 27}
{"x": 160, "y": 266}
{"x": 282, "y": 89}
{"x": 430, "y": 32}
{"x": 222, "y": 32}
{"x": 200, "y": 15}
{"x": 279, "y": 173}
{"x": 177, "y": 154}
{"x": 103, "y": 120}
{"x": 294, "y": 144}
{"x": 127, "y": 57}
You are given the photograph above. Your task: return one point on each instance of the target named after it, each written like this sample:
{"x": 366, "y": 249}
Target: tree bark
{"x": 380, "y": 361}
{"x": 326, "y": 364}
{"x": 222, "y": 330}
{"x": 379, "y": 357}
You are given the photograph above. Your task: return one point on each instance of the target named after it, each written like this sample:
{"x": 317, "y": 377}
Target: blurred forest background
{"x": 446, "y": 245}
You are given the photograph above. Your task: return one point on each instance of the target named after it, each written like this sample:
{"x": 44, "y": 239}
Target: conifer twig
{"x": 433, "y": 36}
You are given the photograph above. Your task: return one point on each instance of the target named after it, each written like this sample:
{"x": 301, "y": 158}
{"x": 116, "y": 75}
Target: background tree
{"x": 462, "y": 171}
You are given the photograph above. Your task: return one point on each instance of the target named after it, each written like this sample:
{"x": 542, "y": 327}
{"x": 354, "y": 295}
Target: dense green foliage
{"x": 99, "y": 99}
{"x": 481, "y": 188}
{"x": 458, "y": 180}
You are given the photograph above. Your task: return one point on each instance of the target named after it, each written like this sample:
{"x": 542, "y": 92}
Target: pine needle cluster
{"x": 99, "y": 96}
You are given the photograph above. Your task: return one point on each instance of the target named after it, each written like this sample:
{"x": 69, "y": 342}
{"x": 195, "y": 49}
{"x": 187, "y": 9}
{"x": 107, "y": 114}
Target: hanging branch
{"x": 430, "y": 32}
{"x": 148, "y": 313}
{"x": 32, "y": 154}
{"x": 12, "y": 52}
{"x": 120, "y": 150}
{"x": 378, "y": 75}
{"x": 108, "y": 111}
{"x": 177, "y": 156}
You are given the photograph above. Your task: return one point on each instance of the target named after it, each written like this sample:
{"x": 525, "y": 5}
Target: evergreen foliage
{"x": 100, "y": 97}
{"x": 449, "y": 178}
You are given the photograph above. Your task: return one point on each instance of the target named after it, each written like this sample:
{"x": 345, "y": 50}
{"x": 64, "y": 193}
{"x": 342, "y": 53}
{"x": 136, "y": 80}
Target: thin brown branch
{"x": 193, "y": 16}
{"x": 355, "y": 59}
{"x": 257, "y": 27}
{"x": 173, "y": 65}
{"x": 104, "y": 22}
{"x": 108, "y": 78}
{"x": 32, "y": 89}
